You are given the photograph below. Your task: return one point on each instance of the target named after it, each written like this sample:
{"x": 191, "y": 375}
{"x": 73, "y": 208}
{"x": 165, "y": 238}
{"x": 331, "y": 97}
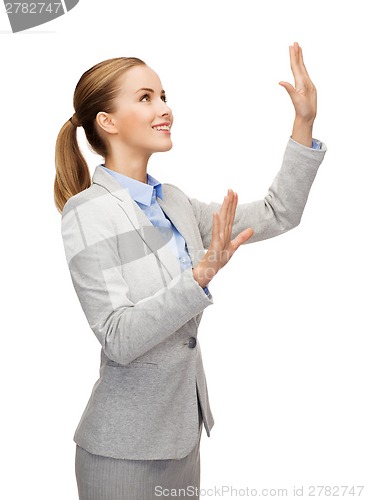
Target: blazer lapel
{"x": 144, "y": 226}
{"x": 180, "y": 220}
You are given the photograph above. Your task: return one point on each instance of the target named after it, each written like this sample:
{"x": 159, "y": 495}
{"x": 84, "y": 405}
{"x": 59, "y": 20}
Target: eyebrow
{"x": 150, "y": 90}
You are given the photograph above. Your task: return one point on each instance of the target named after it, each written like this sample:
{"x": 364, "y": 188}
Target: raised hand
{"x": 221, "y": 247}
{"x": 304, "y": 95}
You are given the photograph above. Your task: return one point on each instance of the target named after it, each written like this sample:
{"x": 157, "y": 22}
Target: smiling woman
{"x": 141, "y": 254}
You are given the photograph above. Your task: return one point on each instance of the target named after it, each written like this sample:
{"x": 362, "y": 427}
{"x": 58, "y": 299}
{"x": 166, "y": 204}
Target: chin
{"x": 162, "y": 149}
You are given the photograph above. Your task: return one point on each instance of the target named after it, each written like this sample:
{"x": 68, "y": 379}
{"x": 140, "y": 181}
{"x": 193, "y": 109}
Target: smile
{"x": 165, "y": 128}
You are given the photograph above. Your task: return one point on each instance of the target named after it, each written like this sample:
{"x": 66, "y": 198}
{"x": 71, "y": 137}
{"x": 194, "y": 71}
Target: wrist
{"x": 200, "y": 276}
{"x": 304, "y": 122}
{"x": 302, "y": 131}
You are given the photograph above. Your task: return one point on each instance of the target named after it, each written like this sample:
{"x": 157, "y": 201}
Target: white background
{"x": 283, "y": 344}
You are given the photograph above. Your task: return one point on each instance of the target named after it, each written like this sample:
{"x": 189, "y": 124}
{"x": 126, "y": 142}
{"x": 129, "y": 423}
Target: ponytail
{"x": 72, "y": 172}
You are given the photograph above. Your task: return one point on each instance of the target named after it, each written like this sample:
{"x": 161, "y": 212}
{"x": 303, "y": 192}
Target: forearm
{"x": 129, "y": 332}
{"x": 302, "y": 131}
{"x": 281, "y": 209}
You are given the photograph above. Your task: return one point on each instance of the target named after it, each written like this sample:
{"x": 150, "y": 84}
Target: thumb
{"x": 242, "y": 238}
{"x": 288, "y": 87}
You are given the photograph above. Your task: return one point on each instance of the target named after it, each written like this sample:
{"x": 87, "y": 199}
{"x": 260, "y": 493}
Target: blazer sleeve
{"x": 125, "y": 329}
{"x": 282, "y": 207}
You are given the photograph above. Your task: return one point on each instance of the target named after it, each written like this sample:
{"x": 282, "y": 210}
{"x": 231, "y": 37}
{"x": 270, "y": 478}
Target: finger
{"x": 225, "y": 221}
{"x": 293, "y": 61}
{"x": 230, "y": 218}
{"x": 230, "y": 213}
{"x": 234, "y": 207}
{"x": 216, "y": 224}
{"x": 295, "y": 65}
{"x": 242, "y": 237}
{"x": 289, "y": 88}
{"x": 223, "y": 214}
{"x": 301, "y": 62}
{"x": 300, "y": 58}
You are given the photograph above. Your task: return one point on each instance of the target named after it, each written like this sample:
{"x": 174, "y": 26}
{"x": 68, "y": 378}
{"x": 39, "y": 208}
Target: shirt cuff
{"x": 315, "y": 144}
{"x": 206, "y": 290}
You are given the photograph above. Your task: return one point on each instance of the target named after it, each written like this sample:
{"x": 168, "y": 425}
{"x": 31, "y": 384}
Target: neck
{"x": 132, "y": 165}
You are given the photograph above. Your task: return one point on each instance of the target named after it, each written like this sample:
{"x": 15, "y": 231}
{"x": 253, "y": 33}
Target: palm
{"x": 304, "y": 95}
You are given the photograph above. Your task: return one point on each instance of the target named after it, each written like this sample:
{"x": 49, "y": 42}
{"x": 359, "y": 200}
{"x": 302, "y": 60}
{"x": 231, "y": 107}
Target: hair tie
{"x": 74, "y": 120}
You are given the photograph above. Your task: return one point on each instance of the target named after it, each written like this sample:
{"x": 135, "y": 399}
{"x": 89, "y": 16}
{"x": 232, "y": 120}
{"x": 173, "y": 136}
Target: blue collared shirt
{"x": 145, "y": 196}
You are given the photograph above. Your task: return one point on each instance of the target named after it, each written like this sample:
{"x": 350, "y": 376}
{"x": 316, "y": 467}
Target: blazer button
{"x": 192, "y": 342}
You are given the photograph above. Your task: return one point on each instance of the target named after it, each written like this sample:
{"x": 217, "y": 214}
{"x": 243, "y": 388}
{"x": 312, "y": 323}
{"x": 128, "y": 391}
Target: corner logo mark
{"x": 25, "y": 15}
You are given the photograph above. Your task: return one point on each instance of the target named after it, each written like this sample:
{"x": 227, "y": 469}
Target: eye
{"x": 164, "y": 98}
{"x": 144, "y": 97}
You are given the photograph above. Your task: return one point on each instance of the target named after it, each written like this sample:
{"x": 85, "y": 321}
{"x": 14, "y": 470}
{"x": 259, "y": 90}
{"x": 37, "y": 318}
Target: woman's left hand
{"x": 304, "y": 95}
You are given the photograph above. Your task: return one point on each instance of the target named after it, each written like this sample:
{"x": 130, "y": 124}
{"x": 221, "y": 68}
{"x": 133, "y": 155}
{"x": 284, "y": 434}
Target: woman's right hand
{"x": 221, "y": 247}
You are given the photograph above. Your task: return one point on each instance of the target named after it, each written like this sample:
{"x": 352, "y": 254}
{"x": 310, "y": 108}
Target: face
{"x": 142, "y": 121}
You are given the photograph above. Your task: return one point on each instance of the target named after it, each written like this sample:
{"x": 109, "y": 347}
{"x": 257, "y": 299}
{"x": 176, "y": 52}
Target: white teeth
{"x": 163, "y": 127}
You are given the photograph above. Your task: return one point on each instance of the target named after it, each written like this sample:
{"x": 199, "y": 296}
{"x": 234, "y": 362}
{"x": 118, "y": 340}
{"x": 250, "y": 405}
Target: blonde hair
{"x": 95, "y": 91}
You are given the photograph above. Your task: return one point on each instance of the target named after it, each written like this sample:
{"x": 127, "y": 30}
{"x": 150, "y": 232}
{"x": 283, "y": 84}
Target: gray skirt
{"x": 106, "y": 478}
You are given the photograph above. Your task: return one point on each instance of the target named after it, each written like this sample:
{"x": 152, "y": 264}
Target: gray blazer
{"x": 145, "y": 311}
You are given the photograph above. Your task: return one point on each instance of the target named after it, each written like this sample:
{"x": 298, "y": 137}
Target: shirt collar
{"x": 139, "y": 191}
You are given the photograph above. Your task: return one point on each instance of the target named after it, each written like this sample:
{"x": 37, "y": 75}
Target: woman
{"x": 141, "y": 255}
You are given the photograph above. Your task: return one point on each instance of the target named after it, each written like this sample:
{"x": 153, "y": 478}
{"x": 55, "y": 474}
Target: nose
{"x": 165, "y": 110}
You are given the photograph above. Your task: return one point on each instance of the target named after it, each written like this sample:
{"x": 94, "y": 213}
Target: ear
{"x": 106, "y": 122}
